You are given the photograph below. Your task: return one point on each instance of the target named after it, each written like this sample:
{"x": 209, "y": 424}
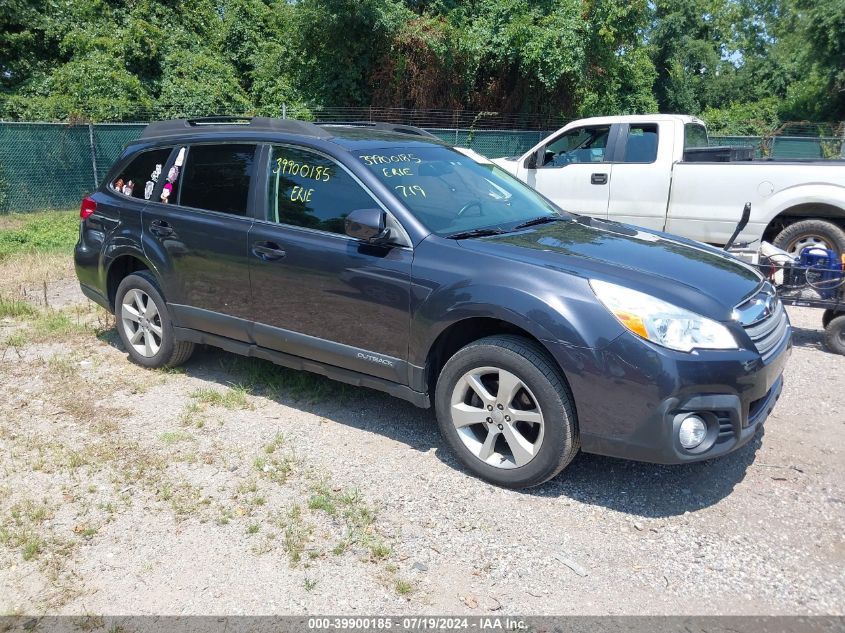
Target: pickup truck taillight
{"x": 89, "y": 205}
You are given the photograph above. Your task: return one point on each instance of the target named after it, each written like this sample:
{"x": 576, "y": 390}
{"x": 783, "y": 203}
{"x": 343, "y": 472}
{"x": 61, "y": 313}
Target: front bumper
{"x": 631, "y": 396}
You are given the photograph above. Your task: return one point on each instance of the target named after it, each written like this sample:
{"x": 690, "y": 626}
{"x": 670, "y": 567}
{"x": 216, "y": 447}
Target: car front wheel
{"x": 144, "y": 325}
{"x": 505, "y": 410}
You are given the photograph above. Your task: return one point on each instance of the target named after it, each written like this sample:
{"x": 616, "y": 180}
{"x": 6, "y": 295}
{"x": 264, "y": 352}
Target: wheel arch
{"x": 120, "y": 267}
{"x": 462, "y": 332}
{"x": 792, "y": 211}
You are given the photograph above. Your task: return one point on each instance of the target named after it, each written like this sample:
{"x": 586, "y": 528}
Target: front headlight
{"x": 661, "y": 322}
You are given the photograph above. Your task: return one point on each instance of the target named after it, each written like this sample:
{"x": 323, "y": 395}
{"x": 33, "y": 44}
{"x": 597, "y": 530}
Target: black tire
{"x": 533, "y": 366}
{"x": 171, "y": 352}
{"x": 834, "y": 335}
{"x": 829, "y": 315}
{"x": 789, "y": 237}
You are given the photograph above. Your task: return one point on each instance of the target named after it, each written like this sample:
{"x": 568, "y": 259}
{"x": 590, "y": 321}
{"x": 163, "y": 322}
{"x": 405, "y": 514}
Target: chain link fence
{"x": 53, "y": 165}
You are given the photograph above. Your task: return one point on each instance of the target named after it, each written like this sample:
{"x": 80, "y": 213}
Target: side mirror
{"x": 367, "y": 225}
{"x": 531, "y": 161}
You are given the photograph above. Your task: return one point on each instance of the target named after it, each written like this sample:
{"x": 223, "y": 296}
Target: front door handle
{"x": 268, "y": 251}
{"x": 598, "y": 179}
{"x": 161, "y": 228}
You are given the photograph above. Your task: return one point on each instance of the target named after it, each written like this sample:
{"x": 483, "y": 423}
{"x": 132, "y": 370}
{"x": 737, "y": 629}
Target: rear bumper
{"x": 631, "y": 397}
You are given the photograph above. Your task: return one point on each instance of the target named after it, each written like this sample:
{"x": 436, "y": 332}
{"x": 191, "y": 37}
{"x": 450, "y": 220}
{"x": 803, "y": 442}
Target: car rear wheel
{"x": 144, "y": 325}
{"x": 798, "y": 236}
{"x": 505, "y": 410}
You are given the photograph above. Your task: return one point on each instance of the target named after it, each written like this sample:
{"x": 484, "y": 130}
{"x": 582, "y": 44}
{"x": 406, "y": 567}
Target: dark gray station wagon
{"x": 378, "y": 256}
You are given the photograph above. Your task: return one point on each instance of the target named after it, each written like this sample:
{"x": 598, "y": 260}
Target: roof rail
{"x": 229, "y": 123}
{"x": 384, "y": 127}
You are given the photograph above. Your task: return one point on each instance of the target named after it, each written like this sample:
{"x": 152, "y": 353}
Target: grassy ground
{"x": 36, "y": 248}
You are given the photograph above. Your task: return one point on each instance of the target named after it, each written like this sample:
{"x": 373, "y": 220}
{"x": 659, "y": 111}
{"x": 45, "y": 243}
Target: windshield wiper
{"x": 462, "y": 235}
{"x": 543, "y": 219}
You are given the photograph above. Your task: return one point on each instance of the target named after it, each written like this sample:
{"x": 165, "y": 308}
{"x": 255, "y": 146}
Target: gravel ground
{"x": 125, "y": 491}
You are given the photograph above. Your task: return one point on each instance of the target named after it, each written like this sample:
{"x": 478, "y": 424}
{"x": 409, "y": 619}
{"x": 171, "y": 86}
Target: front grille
{"x": 765, "y": 320}
{"x": 768, "y": 334}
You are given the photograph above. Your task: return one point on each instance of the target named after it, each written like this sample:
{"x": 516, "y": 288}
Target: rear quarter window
{"x": 139, "y": 177}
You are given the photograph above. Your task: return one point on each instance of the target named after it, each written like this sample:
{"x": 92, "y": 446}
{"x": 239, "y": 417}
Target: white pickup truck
{"x": 657, "y": 171}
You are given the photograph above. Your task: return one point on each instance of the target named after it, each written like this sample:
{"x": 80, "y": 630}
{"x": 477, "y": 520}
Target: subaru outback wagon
{"x": 378, "y": 256}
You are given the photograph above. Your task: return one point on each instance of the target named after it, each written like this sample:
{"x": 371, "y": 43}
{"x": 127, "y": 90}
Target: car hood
{"x": 687, "y": 273}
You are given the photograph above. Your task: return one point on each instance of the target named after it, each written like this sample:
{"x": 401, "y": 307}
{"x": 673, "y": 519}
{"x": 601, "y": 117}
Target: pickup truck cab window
{"x": 641, "y": 144}
{"x": 309, "y": 190}
{"x": 581, "y": 145}
{"x": 217, "y": 178}
{"x": 695, "y": 135}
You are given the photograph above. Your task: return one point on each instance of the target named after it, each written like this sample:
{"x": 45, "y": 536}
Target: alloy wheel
{"x": 141, "y": 322}
{"x": 497, "y": 417}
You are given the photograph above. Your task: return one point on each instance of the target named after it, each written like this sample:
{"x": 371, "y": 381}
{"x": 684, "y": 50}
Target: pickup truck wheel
{"x": 144, "y": 325}
{"x": 506, "y": 412}
{"x": 798, "y": 236}
{"x": 834, "y": 335}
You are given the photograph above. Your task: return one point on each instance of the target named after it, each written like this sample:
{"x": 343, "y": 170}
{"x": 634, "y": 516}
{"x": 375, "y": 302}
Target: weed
{"x": 403, "y": 587}
{"x": 231, "y": 398}
{"x": 253, "y": 528}
{"x": 16, "y": 340}
{"x": 174, "y": 437}
{"x": 15, "y": 308}
{"x": 379, "y": 550}
{"x": 310, "y": 584}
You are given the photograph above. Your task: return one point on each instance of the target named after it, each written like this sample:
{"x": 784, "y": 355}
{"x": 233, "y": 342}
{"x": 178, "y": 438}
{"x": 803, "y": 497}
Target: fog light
{"x": 692, "y": 432}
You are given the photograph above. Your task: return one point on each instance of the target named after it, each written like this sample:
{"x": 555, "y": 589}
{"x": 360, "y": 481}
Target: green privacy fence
{"x": 53, "y": 165}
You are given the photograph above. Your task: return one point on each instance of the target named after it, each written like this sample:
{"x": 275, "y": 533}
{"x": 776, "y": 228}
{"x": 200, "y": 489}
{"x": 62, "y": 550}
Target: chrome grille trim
{"x": 766, "y": 328}
{"x": 768, "y": 334}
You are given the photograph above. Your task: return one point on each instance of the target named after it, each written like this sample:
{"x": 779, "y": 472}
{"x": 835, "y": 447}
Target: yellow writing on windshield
{"x": 409, "y": 191}
{"x": 382, "y": 159}
{"x": 288, "y": 167}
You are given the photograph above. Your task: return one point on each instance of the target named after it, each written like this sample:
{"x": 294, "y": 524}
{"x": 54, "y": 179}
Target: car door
{"x": 639, "y": 192}
{"x": 573, "y": 170}
{"x": 196, "y": 226}
{"x": 317, "y": 293}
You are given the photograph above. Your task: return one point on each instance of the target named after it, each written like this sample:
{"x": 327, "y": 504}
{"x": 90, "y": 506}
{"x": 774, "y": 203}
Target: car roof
{"x": 351, "y": 136}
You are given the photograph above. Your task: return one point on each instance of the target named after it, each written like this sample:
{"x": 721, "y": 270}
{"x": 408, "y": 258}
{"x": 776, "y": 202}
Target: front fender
{"x": 551, "y": 318}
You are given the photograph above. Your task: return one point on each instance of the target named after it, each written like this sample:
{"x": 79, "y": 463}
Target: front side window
{"x": 312, "y": 191}
{"x": 139, "y": 177}
{"x": 217, "y": 178}
{"x": 451, "y": 192}
{"x": 581, "y": 145}
{"x": 641, "y": 145}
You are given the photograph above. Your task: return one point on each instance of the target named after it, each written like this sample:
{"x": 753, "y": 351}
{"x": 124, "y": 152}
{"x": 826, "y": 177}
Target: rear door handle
{"x": 161, "y": 228}
{"x": 268, "y": 251}
{"x": 598, "y": 179}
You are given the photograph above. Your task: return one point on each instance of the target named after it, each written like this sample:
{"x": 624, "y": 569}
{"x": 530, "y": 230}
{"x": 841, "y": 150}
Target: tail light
{"x": 89, "y": 205}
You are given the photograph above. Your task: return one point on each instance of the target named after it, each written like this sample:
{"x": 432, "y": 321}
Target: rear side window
{"x": 140, "y": 176}
{"x": 217, "y": 177}
{"x": 695, "y": 135}
{"x": 306, "y": 189}
{"x": 641, "y": 145}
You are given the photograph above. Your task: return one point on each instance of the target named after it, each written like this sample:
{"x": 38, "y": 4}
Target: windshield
{"x": 451, "y": 192}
